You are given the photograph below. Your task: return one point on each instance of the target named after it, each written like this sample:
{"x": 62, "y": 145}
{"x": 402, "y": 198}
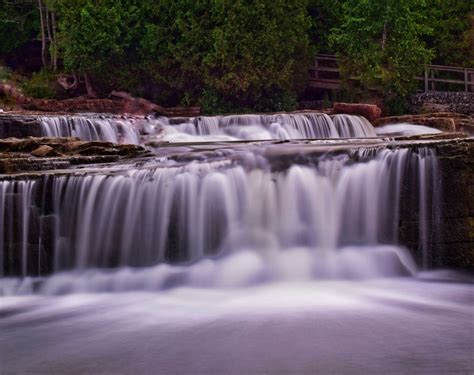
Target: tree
{"x": 99, "y": 39}
{"x": 452, "y": 25}
{"x": 242, "y": 53}
{"x": 260, "y": 50}
{"x": 381, "y": 43}
{"x": 325, "y": 15}
{"x": 18, "y": 24}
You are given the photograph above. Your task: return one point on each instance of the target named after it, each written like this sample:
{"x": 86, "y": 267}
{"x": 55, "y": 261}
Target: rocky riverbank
{"x": 39, "y": 154}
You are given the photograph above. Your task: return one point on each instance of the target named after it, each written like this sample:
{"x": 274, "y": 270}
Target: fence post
{"x": 426, "y": 79}
{"x": 316, "y": 72}
{"x": 466, "y": 86}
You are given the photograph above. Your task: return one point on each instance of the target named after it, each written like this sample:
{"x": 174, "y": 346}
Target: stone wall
{"x": 460, "y": 102}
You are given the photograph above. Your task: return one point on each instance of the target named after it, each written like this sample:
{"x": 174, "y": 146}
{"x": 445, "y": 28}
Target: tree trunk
{"x": 54, "y": 42}
{"x": 49, "y": 39}
{"x": 384, "y": 35}
{"x": 43, "y": 34}
{"x": 90, "y": 89}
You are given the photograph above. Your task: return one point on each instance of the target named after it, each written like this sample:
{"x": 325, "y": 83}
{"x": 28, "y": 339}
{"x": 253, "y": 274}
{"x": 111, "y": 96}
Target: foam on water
{"x": 405, "y": 129}
{"x": 331, "y": 218}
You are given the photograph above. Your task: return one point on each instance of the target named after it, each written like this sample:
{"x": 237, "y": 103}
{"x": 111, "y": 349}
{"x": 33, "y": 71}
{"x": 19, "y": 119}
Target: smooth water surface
{"x": 381, "y": 326}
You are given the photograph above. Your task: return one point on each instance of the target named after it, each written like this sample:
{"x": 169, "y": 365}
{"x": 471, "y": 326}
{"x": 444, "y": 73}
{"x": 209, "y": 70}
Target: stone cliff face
{"x": 452, "y": 238}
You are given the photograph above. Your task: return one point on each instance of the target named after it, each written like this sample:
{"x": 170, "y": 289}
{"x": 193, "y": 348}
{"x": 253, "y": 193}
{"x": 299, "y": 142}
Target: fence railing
{"x": 325, "y": 74}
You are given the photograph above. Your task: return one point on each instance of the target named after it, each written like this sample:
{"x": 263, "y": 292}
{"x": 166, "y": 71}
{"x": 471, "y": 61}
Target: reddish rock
{"x": 370, "y": 111}
{"x": 44, "y": 151}
{"x": 119, "y": 102}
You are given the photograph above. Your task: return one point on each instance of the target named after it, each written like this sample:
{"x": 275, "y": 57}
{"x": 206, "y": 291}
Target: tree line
{"x": 238, "y": 55}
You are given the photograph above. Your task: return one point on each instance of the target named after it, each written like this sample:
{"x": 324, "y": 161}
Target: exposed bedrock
{"x": 38, "y": 154}
{"x": 452, "y": 235}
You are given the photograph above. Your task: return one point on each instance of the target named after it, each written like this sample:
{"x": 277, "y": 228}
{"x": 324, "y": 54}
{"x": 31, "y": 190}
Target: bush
{"x": 5, "y": 73}
{"x": 277, "y": 100}
{"x": 41, "y": 85}
{"x": 396, "y": 105}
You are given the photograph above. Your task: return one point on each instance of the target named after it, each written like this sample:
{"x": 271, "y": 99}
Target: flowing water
{"x": 230, "y": 258}
{"x": 233, "y": 127}
{"x": 406, "y": 130}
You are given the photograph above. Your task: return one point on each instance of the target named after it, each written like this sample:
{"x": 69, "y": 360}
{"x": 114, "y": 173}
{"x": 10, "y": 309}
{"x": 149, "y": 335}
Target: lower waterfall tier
{"x": 336, "y": 216}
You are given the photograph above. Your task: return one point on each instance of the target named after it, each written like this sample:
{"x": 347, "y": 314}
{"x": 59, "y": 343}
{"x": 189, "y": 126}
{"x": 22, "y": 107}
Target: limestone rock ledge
{"x": 39, "y": 154}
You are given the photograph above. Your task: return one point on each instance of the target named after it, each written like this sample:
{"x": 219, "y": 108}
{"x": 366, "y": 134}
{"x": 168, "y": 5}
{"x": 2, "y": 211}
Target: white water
{"x": 236, "y": 127}
{"x": 221, "y": 128}
{"x": 332, "y": 219}
{"x": 263, "y": 127}
{"x": 90, "y": 128}
{"x": 405, "y": 130}
{"x": 230, "y": 263}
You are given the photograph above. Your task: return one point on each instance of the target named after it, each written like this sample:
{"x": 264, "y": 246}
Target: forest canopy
{"x": 237, "y": 55}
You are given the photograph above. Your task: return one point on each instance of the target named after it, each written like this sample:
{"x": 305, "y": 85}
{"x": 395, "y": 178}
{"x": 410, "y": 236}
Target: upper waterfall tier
{"x": 283, "y": 126}
{"x": 202, "y": 128}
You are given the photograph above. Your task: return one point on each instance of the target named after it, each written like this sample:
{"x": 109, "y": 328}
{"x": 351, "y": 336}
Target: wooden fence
{"x": 325, "y": 75}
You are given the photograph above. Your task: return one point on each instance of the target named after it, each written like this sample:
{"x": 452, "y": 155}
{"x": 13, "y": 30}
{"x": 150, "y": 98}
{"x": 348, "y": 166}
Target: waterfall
{"x": 90, "y": 128}
{"x": 331, "y": 217}
{"x": 284, "y": 126}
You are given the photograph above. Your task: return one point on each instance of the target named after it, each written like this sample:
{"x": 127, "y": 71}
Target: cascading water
{"x": 236, "y": 127}
{"x": 243, "y": 258}
{"x": 332, "y": 217}
{"x": 90, "y": 128}
{"x": 257, "y": 127}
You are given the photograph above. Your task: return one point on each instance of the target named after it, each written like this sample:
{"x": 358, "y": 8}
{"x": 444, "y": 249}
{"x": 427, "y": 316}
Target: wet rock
{"x": 370, "y": 111}
{"x": 45, "y": 151}
{"x": 39, "y": 154}
{"x": 18, "y": 126}
{"x": 452, "y": 238}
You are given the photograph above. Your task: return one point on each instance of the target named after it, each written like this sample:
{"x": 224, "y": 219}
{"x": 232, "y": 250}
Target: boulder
{"x": 370, "y": 111}
{"x": 44, "y": 151}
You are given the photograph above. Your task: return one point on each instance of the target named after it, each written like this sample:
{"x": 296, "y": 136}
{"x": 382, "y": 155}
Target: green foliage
{"x": 326, "y": 102}
{"x": 244, "y": 55}
{"x": 243, "y": 52}
{"x": 380, "y": 42}
{"x": 100, "y": 37}
{"x": 259, "y": 51}
{"x": 5, "y": 73}
{"x": 19, "y": 23}
{"x": 41, "y": 85}
{"x": 324, "y": 16}
{"x": 452, "y": 22}
{"x": 396, "y": 105}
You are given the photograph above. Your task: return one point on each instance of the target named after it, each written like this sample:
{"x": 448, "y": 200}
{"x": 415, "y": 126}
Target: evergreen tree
{"x": 381, "y": 43}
